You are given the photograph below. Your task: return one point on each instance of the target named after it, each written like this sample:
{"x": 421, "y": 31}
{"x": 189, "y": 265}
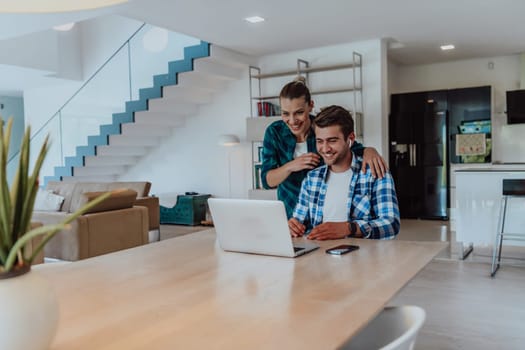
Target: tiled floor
{"x": 437, "y": 230}
{"x": 172, "y": 231}
{"x": 466, "y": 308}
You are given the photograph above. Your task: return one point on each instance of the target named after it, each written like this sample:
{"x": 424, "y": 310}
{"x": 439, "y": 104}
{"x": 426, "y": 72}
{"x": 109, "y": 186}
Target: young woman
{"x": 289, "y": 149}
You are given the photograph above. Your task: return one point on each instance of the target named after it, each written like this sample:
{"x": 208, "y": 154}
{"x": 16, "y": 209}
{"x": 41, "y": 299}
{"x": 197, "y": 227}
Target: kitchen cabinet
{"x": 478, "y": 196}
{"x": 422, "y": 134}
{"x": 466, "y": 105}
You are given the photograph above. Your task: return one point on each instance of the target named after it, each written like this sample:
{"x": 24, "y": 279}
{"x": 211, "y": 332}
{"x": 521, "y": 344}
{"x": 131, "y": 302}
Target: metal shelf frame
{"x": 303, "y": 68}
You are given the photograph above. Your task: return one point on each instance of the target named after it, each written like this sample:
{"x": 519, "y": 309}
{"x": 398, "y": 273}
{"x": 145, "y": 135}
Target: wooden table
{"x": 186, "y": 293}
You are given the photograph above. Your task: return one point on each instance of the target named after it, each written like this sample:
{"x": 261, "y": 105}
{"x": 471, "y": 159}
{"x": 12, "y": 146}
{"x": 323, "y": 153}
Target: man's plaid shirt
{"x": 372, "y": 202}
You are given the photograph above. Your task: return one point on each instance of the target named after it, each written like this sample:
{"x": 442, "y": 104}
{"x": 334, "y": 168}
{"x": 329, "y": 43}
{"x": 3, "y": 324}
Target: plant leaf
{"x": 22, "y": 241}
{"x": 19, "y": 187}
{"x": 32, "y": 188}
{"x": 6, "y": 240}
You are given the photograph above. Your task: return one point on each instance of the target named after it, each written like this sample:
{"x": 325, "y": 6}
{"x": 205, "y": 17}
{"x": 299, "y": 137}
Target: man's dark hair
{"x": 335, "y": 115}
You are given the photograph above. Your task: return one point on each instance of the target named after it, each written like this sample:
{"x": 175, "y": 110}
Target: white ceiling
{"x": 478, "y": 28}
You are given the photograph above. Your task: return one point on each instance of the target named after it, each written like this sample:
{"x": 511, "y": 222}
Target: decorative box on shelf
{"x": 190, "y": 209}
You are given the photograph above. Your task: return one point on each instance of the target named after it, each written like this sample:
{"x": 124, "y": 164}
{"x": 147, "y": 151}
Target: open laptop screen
{"x": 253, "y": 226}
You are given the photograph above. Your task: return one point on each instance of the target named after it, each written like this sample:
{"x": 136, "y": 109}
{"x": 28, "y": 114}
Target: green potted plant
{"x": 27, "y": 302}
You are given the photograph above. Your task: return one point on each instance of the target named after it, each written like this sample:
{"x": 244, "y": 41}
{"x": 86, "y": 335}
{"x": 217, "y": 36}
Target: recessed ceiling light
{"x": 447, "y": 47}
{"x": 254, "y": 19}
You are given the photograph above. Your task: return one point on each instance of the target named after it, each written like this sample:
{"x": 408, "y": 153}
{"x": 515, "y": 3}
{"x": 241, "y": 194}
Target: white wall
{"x": 89, "y": 46}
{"x": 45, "y": 54}
{"x": 86, "y": 49}
{"x": 101, "y": 37}
{"x": 69, "y": 60}
{"x": 192, "y": 160}
{"x": 508, "y": 142}
{"x": 21, "y": 51}
{"x": 393, "y": 78}
{"x": 13, "y": 107}
{"x": 95, "y": 46}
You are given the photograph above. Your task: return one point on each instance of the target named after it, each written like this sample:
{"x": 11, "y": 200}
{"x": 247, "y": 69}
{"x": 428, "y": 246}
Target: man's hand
{"x": 304, "y": 161}
{"x": 296, "y": 228}
{"x": 329, "y": 230}
{"x": 376, "y": 163}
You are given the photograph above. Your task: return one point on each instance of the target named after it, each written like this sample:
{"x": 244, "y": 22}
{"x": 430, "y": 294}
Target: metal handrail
{"x": 126, "y": 43}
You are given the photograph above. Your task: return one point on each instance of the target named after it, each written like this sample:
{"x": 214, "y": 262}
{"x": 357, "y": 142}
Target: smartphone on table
{"x": 342, "y": 249}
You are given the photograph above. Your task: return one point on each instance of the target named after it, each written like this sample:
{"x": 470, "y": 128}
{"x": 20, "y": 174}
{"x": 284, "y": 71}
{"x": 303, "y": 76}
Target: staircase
{"x": 175, "y": 96}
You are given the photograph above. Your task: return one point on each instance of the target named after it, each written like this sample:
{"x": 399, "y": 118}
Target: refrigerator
{"x": 419, "y": 153}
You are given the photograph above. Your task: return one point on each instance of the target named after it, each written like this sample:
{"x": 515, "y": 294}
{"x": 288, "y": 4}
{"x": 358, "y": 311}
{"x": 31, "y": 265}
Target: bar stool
{"x": 511, "y": 188}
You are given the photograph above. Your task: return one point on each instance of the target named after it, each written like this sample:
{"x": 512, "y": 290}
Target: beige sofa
{"x": 119, "y": 223}
{"x": 33, "y": 244}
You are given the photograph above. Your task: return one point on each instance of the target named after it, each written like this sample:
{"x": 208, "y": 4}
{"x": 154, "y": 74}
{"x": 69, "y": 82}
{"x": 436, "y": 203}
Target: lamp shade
{"x": 229, "y": 140}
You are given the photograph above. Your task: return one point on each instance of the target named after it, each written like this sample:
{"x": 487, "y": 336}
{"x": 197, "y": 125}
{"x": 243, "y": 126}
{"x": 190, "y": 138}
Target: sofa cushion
{"x": 119, "y": 199}
{"x": 81, "y": 187}
{"x": 64, "y": 189}
{"x": 142, "y": 187}
{"x": 72, "y": 191}
{"x": 47, "y": 201}
{"x": 77, "y": 196}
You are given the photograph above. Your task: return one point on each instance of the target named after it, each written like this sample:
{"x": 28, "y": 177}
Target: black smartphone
{"x": 342, "y": 249}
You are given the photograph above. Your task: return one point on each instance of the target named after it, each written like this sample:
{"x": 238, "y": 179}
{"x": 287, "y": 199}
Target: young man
{"x": 289, "y": 146}
{"x": 337, "y": 200}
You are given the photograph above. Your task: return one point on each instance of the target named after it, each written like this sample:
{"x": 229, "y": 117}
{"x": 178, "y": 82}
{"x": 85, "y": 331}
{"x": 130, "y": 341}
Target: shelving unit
{"x": 350, "y": 89}
{"x": 255, "y": 128}
{"x": 303, "y": 68}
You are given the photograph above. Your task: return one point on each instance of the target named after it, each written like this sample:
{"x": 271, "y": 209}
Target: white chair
{"x": 395, "y": 328}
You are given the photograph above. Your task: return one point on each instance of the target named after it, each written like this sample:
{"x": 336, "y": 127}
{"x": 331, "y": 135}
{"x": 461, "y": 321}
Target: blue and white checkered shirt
{"x": 372, "y": 202}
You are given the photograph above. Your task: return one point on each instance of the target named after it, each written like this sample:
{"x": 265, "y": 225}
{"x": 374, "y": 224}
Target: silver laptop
{"x": 255, "y": 226}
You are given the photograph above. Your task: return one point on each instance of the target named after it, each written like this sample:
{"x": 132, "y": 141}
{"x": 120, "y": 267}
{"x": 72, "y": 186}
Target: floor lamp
{"x": 229, "y": 140}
